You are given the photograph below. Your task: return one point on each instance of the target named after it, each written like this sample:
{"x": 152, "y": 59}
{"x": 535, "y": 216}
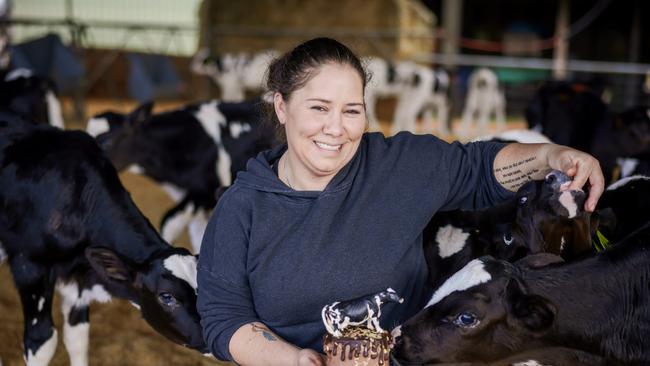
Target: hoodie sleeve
{"x": 460, "y": 175}
{"x": 472, "y": 183}
{"x": 224, "y": 299}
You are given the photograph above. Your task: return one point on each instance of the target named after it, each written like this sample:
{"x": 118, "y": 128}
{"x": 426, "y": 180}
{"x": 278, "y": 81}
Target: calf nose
{"x": 556, "y": 179}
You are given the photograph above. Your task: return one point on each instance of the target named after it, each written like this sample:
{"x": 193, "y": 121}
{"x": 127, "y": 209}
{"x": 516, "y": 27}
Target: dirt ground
{"x": 118, "y": 335}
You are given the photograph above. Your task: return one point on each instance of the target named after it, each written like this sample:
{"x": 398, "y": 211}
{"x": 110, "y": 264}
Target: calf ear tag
{"x": 600, "y": 243}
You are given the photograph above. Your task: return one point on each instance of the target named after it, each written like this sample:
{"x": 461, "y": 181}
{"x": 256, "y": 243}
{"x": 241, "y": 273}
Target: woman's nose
{"x": 334, "y": 125}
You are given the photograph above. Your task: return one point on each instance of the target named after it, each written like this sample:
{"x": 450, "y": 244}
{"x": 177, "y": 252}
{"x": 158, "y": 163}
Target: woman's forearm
{"x": 517, "y": 163}
{"x": 255, "y": 344}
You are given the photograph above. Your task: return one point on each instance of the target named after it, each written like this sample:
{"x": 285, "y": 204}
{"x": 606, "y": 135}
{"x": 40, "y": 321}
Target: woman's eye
{"x": 167, "y": 299}
{"x": 466, "y": 320}
{"x": 507, "y": 238}
{"x": 318, "y": 108}
{"x": 523, "y": 200}
{"x": 353, "y": 111}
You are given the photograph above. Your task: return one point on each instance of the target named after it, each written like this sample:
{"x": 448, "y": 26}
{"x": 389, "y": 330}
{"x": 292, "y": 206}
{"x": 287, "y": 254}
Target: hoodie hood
{"x": 259, "y": 174}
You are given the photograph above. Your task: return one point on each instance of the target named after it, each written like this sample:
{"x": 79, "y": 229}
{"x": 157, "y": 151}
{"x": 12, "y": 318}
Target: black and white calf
{"x": 191, "y": 151}
{"x": 67, "y": 223}
{"x": 234, "y": 73}
{"x": 364, "y": 310}
{"x": 491, "y": 309}
{"x": 32, "y": 97}
{"x": 484, "y": 99}
{"x": 542, "y": 217}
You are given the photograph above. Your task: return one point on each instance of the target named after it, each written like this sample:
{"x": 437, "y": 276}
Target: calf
{"x": 569, "y": 114}
{"x": 623, "y": 207}
{"x": 192, "y": 151}
{"x": 67, "y": 223}
{"x": 492, "y": 308}
{"x": 234, "y": 73}
{"x": 363, "y": 310}
{"x": 484, "y": 98}
{"x": 542, "y": 217}
{"x": 625, "y": 135}
{"x": 437, "y": 101}
{"x": 30, "y": 96}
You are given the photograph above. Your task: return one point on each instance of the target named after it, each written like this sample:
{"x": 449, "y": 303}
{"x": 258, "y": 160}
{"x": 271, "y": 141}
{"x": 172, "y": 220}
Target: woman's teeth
{"x": 328, "y": 147}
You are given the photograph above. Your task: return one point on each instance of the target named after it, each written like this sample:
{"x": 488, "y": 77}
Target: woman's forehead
{"x": 334, "y": 82}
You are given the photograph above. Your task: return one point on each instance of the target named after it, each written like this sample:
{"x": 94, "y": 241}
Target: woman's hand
{"x": 582, "y": 167}
{"x": 309, "y": 357}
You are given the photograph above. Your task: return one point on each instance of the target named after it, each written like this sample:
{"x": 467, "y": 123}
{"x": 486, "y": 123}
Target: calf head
{"x": 116, "y": 133}
{"x": 163, "y": 288}
{"x": 550, "y": 218}
{"x": 632, "y": 130}
{"x": 481, "y": 313}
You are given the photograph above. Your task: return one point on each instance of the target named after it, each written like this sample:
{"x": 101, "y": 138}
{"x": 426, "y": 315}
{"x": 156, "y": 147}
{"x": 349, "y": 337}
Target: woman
{"x": 338, "y": 213}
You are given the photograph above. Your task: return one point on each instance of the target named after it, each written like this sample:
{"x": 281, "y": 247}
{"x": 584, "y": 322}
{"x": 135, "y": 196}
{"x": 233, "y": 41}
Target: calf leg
{"x": 196, "y": 229}
{"x": 36, "y": 288}
{"x": 75, "y": 327}
{"x": 176, "y": 220}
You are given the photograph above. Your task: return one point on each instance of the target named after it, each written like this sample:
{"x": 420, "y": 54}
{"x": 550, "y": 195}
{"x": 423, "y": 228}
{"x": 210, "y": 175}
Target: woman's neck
{"x": 298, "y": 178}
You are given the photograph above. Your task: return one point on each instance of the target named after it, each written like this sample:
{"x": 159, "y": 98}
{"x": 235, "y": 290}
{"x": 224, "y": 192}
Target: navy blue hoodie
{"x": 277, "y": 256}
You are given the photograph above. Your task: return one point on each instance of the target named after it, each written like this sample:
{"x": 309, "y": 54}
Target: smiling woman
{"x": 336, "y": 213}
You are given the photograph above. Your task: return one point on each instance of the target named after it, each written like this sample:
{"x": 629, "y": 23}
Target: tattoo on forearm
{"x": 515, "y": 175}
{"x": 265, "y": 332}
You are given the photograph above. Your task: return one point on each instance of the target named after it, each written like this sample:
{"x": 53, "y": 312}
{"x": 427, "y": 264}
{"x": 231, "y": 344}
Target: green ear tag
{"x": 602, "y": 243}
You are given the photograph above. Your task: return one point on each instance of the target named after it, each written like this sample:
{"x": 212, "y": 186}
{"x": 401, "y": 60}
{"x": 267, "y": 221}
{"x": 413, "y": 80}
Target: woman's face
{"x": 324, "y": 121}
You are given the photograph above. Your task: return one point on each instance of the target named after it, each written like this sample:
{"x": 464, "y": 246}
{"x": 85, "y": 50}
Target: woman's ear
{"x": 280, "y": 107}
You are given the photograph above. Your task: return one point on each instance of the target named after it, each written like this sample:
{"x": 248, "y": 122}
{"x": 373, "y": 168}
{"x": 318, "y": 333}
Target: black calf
{"x": 66, "y": 221}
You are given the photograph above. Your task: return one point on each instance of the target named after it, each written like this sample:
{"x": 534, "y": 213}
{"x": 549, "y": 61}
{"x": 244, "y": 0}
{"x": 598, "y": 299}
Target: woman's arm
{"x": 255, "y": 344}
{"x": 518, "y": 163}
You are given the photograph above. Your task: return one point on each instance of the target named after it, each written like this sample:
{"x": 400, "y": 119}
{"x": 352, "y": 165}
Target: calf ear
{"x": 532, "y": 312}
{"x": 140, "y": 114}
{"x": 539, "y": 260}
{"x": 108, "y": 265}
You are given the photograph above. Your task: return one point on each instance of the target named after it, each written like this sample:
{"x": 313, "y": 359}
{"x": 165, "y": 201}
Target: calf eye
{"x": 167, "y": 299}
{"x": 466, "y": 320}
{"x": 523, "y": 200}
{"x": 507, "y": 238}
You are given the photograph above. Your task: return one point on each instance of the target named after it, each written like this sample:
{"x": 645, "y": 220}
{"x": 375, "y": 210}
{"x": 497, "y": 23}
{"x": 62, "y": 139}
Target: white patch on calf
{"x": 41, "y": 301}
{"x": 520, "y": 135}
{"x": 196, "y": 229}
{"x": 568, "y": 202}
{"x": 34, "y": 321}
{"x": 135, "y": 305}
{"x": 528, "y": 363}
{"x": 54, "y": 110}
{"x": 44, "y": 353}
{"x": 183, "y": 267}
{"x": 224, "y": 163}
{"x": 237, "y": 128}
{"x": 97, "y": 126}
{"x": 628, "y": 166}
{"x": 18, "y": 73}
{"x": 562, "y": 243}
{"x": 174, "y": 225}
{"x": 473, "y": 274}
{"x": 71, "y": 296}
{"x": 174, "y": 192}
{"x": 212, "y": 120}
{"x": 136, "y": 169}
{"x": 451, "y": 240}
{"x": 624, "y": 181}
